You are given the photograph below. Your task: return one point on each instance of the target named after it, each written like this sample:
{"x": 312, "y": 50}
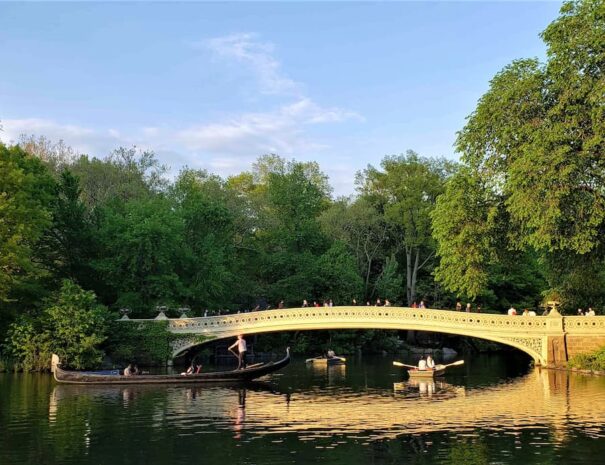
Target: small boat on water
{"x": 247, "y": 374}
{"x": 329, "y": 361}
{"x": 427, "y": 373}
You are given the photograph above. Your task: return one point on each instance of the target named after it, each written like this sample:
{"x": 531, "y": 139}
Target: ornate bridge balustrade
{"x": 549, "y": 340}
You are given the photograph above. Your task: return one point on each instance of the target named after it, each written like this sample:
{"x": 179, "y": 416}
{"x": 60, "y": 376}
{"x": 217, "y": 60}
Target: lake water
{"x": 494, "y": 409}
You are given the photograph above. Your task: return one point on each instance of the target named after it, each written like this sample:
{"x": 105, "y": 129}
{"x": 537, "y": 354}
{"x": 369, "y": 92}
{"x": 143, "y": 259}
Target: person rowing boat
{"x": 422, "y": 370}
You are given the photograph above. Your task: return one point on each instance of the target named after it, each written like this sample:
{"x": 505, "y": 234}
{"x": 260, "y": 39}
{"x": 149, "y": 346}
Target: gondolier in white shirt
{"x": 240, "y": 343}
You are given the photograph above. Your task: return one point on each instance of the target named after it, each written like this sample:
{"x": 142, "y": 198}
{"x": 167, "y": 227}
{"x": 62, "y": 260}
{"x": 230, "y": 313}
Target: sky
{"x": 215, "y": 85}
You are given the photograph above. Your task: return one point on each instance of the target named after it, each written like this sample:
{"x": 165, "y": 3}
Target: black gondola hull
{"x": 235, "y": 376}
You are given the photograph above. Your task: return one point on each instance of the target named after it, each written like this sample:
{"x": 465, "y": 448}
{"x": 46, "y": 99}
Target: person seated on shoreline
{"x": 430, "y": 363}
{"x": 128, "y": 370}
{"x": 590, "y": 312}
{"x": 198, "y": 369}
{"x": 512, "y": 311}
{"x": 422, "y": 364}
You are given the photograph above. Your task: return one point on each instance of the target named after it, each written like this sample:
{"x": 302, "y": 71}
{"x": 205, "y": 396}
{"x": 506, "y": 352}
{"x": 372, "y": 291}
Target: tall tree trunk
{"x": 415, "y": 274}
{"x": 408, "y": 274}
{"x": 365, "y": 292}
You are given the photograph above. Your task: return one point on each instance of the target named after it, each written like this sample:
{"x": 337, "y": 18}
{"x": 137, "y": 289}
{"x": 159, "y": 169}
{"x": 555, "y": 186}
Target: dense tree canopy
{"x": 533, "y": 150}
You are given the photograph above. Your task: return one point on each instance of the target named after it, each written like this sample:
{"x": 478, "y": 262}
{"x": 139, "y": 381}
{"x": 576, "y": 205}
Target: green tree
{"x": 126, "y": 174}
{"x": 73, "y": 326}
{"x": 207, "y": 211}
{"x": 389, "y": 283}
{"x": 26, "y": 192}
{"x": 406, "y": 190}
{"x": 141, "y": 247}
{"x": 363, "y": 228}
{"x": 534, "y": 145}
{"x": 68, "y": 245}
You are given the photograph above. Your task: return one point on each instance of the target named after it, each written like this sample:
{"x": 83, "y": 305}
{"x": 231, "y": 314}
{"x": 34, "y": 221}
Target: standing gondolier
{"x": 240, "y": 343}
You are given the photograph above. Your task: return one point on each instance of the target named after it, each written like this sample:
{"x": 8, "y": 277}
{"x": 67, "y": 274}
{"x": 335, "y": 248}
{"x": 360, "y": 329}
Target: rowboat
{"x": 329, "y": 361}
{"x": 246, "y": 374}
{"x": 428, "y": 373}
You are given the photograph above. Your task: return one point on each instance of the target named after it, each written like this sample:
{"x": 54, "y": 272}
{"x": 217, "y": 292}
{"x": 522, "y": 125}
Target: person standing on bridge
{"x": 242, "y": 348}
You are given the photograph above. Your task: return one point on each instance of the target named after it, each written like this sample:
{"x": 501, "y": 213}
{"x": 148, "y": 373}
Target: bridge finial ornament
{"x": 553, "y": 307}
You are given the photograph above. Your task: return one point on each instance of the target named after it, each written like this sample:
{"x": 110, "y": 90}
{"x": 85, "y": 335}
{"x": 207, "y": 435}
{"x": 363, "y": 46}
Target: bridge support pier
{"x": 556, "y": 347}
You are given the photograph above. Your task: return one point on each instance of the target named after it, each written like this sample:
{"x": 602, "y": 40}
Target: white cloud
{"x": 281, "y": 131}
{"x": 258, "y": 56}
{"x": 82, "y": 139}
{"x": 225, "y": 146}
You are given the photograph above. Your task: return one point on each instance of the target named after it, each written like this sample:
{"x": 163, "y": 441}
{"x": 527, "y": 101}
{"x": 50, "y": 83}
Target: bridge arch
{"x": 531, "y": 335}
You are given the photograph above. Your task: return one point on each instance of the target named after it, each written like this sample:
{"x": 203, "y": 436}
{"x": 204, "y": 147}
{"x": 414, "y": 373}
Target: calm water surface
{"x": 492, "y": 410}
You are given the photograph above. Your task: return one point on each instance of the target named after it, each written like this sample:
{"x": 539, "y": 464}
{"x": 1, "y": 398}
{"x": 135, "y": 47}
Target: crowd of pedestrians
{"x": 460, "y": 307}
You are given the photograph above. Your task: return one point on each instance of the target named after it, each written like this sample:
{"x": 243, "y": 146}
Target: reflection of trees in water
{"x": 89, "y": 420}
{"x": 468, "y": 452}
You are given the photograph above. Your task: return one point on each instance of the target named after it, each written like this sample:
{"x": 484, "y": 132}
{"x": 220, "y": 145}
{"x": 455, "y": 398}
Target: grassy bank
{"x": 594, "y": 361}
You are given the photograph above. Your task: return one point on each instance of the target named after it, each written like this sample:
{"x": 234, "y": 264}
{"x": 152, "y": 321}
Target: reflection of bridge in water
{"x": 541, "y": 399}
{"x": 548, "y": 340}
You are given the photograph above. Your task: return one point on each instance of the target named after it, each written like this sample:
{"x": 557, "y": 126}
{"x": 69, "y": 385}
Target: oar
{"x": 399, "y": 364}
{"x": 459, "y": 362}
{"x": 443, "y": 367}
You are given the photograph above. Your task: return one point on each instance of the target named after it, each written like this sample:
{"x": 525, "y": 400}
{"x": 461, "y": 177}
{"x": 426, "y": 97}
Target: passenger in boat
{"x": 430, "y": 363}
{"x": 331, "y": 354}
{"x": 422, "y": 364}
{"x": 240, "y": 343}
{"x": 128, "y": 370}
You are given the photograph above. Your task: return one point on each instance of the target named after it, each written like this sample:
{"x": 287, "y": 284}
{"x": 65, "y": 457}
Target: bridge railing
{"x": 312, "y": 316}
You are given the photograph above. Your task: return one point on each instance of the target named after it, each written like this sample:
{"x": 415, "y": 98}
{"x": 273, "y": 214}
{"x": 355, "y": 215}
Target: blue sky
{"x": 215, "y": 85}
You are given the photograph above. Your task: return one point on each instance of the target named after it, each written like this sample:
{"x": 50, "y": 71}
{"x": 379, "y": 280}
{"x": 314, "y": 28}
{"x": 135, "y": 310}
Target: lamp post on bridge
{"x": 184, "y": 311}
{"x": 161, "y": 309}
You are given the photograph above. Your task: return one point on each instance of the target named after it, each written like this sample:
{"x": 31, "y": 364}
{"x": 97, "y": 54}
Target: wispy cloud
{"x": 280, "y": 131}
{"x": 224, "y": 146}
{"x": 245, "y": 48}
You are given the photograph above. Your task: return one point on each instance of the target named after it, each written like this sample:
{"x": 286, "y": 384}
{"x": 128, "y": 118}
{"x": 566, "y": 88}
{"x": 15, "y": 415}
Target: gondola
{"x": 247, "y": 374}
